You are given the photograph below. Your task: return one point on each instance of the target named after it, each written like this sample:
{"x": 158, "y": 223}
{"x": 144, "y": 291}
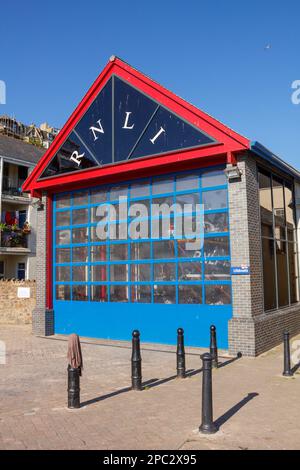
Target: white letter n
{"x": 97, "y": 129}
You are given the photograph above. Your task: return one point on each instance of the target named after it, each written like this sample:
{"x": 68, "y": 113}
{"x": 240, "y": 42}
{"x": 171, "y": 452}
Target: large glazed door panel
{"x": 118, "y": 268}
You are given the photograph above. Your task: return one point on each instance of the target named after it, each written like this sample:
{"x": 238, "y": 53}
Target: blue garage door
{"x": 108, "y": 282}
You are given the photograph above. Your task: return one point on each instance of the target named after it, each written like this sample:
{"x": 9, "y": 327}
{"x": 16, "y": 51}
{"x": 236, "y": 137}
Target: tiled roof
{"x": 15, "y": 148}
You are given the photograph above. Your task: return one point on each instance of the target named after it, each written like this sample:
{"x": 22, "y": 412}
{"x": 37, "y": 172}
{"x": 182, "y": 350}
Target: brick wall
{"x": 14, "y": 310}
{"x": 251, "y": 331}
{"x": 42, "y": 318}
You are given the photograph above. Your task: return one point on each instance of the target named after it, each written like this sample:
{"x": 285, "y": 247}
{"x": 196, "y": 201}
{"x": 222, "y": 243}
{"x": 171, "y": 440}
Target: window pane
{"x": 80, "y": 198}
{"x": 214, "y": 199}
{"x": 266, "y": 206}
{"x": 186, "y": 182}
{"x": 161, "y": 200}
{"x": 163, "y": 249}
{"x": 190, "y": 294}
{"x": 80, "y": 216}
{"x": 217, "y": 270}
{"x": 216, "y": 222}
{"x": 140, "y": 208}
{"x": 140, "y": 251}
{"x": 192, "y": 199}
{"x": 118, "y": 252}
{"x": 80, "y": 235}
{"x": 63, "y": 237}
{"x": 189, "y": 249}
{"x": 63, "y": 292}
{"x": 282, "y": 273}
{"x": 140, "y": 190}
{"x": 100, "y": 213}
{"x": 80, "y": 254}
{"x": 119, "y": 272}
{"x": 98, "y": 253}
{"x": 161, "y": 186}
{"x": 119, "y": 293}
{"x": 269, "y": 274}
{"x": 80, "y": 292}
{"x": 165, "y": 272}
{"x": 63, "y": 255}
{"x": 63, "y": 201}
{"x": 141, "y": 294}
{"x": 189, "y": 226}
{"x": 218, "y": 295}
{"x": 163, "y": 227}
{"x": 216, "y": 246}
{"x": 99, "y": 293}
{"x": 190, "y": 271}
{"x": 140, "y": 272}
{"x": 63, "y": 218}
{"x": 279, "y": 209}
{"x": 118, "y": 191}
{"x": 80, "y": 273}
{"x": 120, "y": 231}
{"x": 99, "y": 233}
{"x": 98, "y": 273}
{"x": 290, "y": 212}
{"x": 62, "y": 273}
{"x": 294, "y": 277}
{"x": 164, "y": 294}
{"x": 98, "y": 195}
{"x": 213, "y": 178}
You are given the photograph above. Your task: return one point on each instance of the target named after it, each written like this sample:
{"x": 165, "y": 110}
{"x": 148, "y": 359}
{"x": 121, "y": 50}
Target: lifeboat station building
{"x": 132, "y": 144}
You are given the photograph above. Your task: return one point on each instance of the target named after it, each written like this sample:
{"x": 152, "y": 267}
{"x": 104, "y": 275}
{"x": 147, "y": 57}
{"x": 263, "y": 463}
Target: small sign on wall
{"x": 23, "y": 292}
{"x": 240, "y": 270}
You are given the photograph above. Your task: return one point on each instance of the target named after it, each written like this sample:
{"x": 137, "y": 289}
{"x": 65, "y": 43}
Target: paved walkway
{"x": 255, "y": 407}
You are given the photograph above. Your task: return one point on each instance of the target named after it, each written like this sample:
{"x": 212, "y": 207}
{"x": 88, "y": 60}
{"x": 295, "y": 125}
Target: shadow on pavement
{"x": 113, "y": 394}
{"x": 295, "y": 368}
{"x": 230, "y": 361}
{"x": 232, "y": 411}
{"x": 146, "y": 385}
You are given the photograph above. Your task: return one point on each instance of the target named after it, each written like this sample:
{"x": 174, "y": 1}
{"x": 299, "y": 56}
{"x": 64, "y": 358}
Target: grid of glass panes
{"x": 148, "y": 270}
{"x": 279, "y": 241}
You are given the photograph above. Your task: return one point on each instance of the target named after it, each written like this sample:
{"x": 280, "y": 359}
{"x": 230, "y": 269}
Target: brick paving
{"x": 255, "y": 406}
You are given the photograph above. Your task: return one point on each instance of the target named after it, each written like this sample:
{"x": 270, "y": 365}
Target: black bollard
{"x": 213, "y": 346}
{"x": 136, "y": 362}
{"x": 287, "y": 372}
{"x": 207, "y": 425}
{"x": 180, "y": 354}
{"x": 73, "y": 387}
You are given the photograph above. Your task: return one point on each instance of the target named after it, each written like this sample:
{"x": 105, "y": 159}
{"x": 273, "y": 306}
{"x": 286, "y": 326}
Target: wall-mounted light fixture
{"x": 37, "y": 203}
{"x": 233, "y": 172}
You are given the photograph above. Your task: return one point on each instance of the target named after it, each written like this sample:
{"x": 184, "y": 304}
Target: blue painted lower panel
{"x": 157, "y": 323}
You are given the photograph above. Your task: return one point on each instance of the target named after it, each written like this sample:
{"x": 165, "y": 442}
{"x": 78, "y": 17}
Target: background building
{"x": 131, "y": 137}
{"x": 42, "y": 136}
{"x": 18, "y": 216}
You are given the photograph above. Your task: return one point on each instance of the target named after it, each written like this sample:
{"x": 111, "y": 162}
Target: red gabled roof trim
{"x": 228, "y": 140}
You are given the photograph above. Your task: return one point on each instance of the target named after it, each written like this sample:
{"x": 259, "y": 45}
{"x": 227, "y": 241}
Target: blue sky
{"x": 212, "y": 53}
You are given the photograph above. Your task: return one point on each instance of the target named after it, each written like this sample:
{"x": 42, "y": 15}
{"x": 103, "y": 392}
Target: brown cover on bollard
{"x": 74, "y": 352}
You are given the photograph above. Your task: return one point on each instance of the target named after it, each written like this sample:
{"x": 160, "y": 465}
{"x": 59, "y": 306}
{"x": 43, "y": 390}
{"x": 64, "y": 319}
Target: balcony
{"x": 12, "y": 188}
{"x": 14, "y": 239}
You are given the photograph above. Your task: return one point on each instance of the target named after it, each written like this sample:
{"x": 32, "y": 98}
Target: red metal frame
{"x": 229, "y": 143}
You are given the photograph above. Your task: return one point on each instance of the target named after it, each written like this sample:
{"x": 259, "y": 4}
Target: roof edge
{"x": 269, "y": 156}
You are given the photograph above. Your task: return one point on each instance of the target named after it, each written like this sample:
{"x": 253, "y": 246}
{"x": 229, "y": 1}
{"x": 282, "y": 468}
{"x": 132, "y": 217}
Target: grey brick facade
{"x": 42, "y": 318}
{"x": 251, "y": 330}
